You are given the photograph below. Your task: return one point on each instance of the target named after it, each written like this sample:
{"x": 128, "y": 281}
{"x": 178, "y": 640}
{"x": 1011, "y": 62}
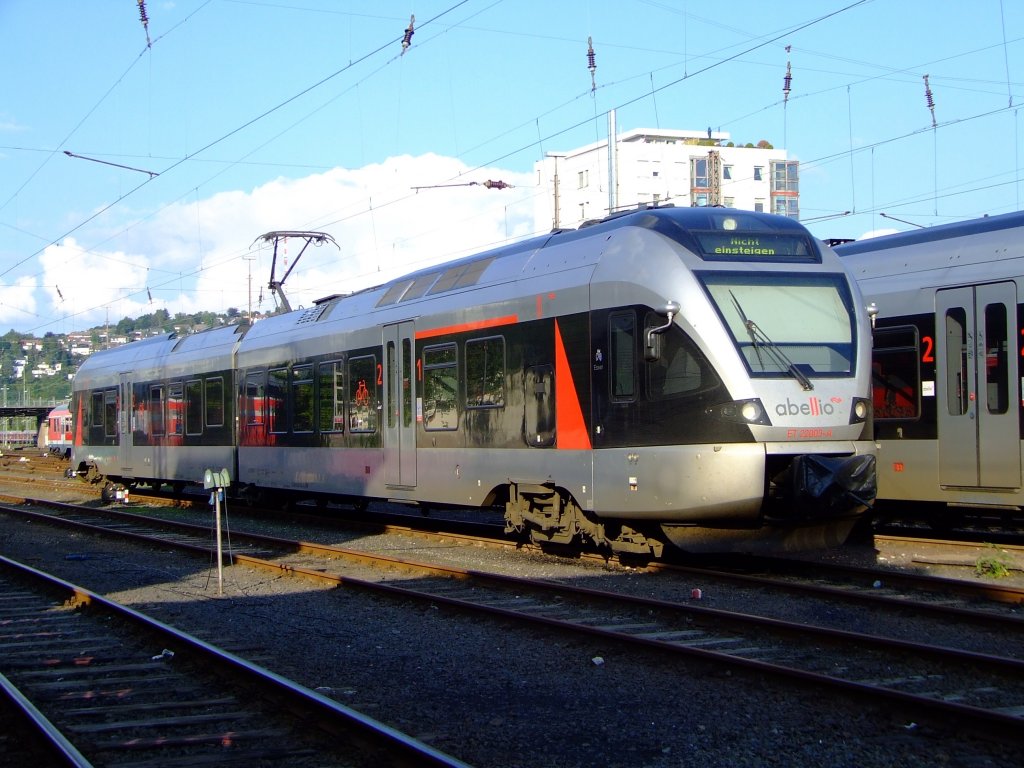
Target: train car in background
{"x": 695, "y": 375}
{"x": 57, "y": 439}
{"x": 948, "y": 345}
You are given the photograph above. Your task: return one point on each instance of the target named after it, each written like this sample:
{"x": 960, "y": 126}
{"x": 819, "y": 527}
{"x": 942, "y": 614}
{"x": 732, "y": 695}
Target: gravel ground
{"x": 501, "y": 696}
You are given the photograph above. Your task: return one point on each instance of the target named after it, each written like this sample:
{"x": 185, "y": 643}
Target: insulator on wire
{"x": 787, "y": 84}
{"x": 496, "y": 184}
{"x": 591, "y": 63}
{"x": 409, "y": 32}
{"x": 929, "y": 99}
{"x": 59, "y": 293}
{"x": 144, "y": 18}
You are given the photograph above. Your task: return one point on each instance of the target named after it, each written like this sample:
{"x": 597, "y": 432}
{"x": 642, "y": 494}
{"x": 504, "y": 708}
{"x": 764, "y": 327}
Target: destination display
{"x": 765, "y": 246}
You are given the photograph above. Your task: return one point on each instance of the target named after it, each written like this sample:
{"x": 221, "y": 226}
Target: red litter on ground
{"x": 696, "y": 594}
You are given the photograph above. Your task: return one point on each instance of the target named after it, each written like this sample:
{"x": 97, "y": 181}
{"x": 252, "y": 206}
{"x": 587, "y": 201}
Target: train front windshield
{"x": 787, "y": 324}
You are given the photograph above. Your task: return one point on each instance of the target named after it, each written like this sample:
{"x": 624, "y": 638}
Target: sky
{"x": 140, "y": 164}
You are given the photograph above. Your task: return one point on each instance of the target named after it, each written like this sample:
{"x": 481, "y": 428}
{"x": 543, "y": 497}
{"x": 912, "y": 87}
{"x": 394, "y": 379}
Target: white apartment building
{"x": 684, "y": 168}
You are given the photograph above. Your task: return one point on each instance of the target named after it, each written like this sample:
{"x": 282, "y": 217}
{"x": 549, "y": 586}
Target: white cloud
{"x": 878, "y": 233}
{"x": 196, "y": 255}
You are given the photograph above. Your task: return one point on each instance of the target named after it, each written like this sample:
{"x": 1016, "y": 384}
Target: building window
{"x": 727, "y": 172}
{"x": 785, "y": 176}
{"x": 699, "y": 173}
{"x": 759, "y": 206}
{"x": 729, "y": 202}
{"x": 758, "y": 173}
{"x": 786, "y": 206}
{"x": 584, "y": 179}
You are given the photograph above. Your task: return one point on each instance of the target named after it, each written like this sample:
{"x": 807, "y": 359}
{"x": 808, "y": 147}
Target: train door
{"x": 399, "y": 401}
{"x": 124, "y": 421}
{"x": 976, "y": 386}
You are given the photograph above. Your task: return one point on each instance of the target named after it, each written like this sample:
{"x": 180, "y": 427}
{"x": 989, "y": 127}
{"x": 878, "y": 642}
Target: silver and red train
{"x": 699, "y": 376}
{"x": 948, "y": 365}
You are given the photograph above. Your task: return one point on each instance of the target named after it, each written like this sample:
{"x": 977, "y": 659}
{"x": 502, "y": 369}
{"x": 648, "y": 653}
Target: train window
{"x": 394, "y": 293}
{"x": 331, "y": 412}
{"x": 440, "y": 387}
{"x": 254, "y": 399}
{"x": 460, "y": 276}
{"x": 175, "y": 409}
{"x": 419, "y": 287}
{"x": 277, "y": 389}
{"x": 806, "y": 318}
{"x": 156, "y": 409}
{"x": 996, "y": 370}
{"x": 485, "y": 372}
{"x": 110, "y": 413}
{"x": 302, "y": 398}
{"x": 896, "y": 373}
{"x": 406, "y": 383}
{"x": 957, "y": 383}
{"x": 390, "y": 385}
{"x": 681, "y": 369}
{"x": 362, "y": 403}
{"x": 194, "y": 407}
{"x": 97, "y": 410}
{"x": 622, "y": 349}
{"x": 215, "y": 402}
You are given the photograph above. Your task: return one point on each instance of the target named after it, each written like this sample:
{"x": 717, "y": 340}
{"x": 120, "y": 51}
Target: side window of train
{"x": 156, "y": 409}
{"x": 440, "y": 387}
{"x": 254, "y": 399}
{"x": 110, "y": 413}
{"x": 214, "y": 401}
{"x": 997, "y": 381}
{"x": 175, "y": 409}
{"x": 957, "y": 384}
{"x": 276, "y": 394}
{"x": 362, "y": 387}
{"x": 96, "y": 416}
{"x": 302, "y": 398}
{"x": 896, "y": 373}
{"x": 331, "y": 387}
{"x": 622, "y": 351}
{"x": 485, "y": 372}
{"x": 194, "y": 407}
{"x": 681, "y": 369}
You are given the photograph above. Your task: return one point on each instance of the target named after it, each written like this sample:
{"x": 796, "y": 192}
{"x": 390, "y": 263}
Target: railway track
{"x": 967, "y": 687}
{"x": 86, "y": 681}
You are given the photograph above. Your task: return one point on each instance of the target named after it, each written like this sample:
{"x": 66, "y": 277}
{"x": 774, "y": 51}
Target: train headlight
{"x": 860, "y": 411}
{"x": 743, "y": 411}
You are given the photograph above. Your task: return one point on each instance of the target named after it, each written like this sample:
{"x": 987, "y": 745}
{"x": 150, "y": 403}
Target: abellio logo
{"x": 813, "y": 407}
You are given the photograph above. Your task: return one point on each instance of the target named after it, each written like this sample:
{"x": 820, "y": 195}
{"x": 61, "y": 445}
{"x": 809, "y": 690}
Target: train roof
{"x": 969, "y": 228}
{"x": 901, "y": 272}
{"x": 500, "y": 264}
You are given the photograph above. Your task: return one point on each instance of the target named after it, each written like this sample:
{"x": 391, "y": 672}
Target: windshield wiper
{"x": 759, "y": 338}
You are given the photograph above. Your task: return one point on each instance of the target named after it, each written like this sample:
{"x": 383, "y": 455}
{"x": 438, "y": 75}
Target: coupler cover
{"x": 833, "y": 486}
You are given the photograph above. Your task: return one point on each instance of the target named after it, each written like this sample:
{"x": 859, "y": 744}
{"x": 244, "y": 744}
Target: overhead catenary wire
{"x": 653, "y": 92}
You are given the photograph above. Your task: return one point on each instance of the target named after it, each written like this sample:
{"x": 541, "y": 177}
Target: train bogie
{"x": 655, "y": 374}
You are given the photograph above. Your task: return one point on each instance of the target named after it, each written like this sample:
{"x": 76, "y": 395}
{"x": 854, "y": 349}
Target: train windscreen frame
{"x": 809, "y": 318}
